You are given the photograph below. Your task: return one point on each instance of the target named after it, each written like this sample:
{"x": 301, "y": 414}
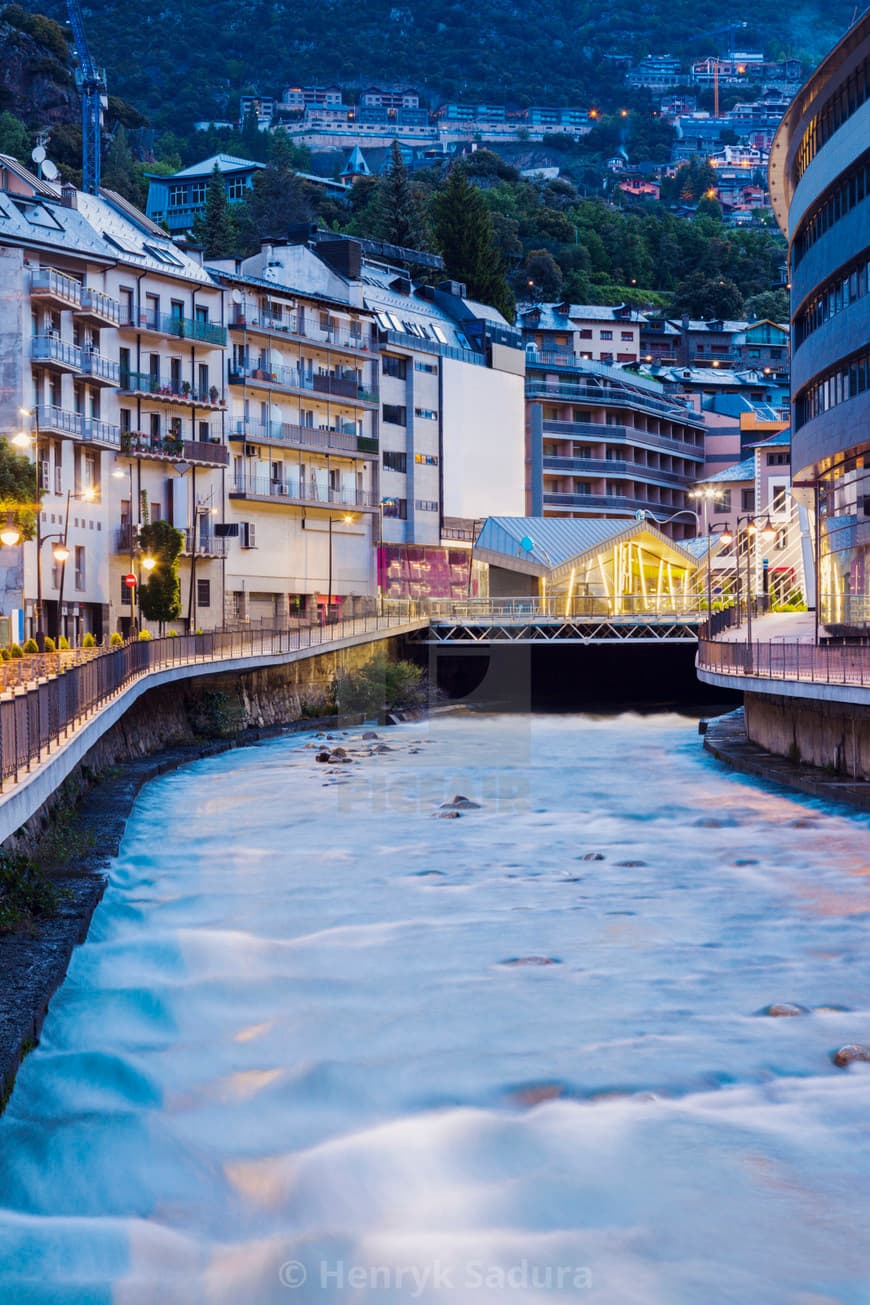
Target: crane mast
{"x": 91, "y": 82}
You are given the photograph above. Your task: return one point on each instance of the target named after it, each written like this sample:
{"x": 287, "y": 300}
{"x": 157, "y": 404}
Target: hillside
{"x": 191, "y": 60}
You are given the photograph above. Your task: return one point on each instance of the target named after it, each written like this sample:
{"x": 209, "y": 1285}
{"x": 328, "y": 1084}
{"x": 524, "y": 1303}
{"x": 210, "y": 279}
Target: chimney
{"x": 69, "y": 196}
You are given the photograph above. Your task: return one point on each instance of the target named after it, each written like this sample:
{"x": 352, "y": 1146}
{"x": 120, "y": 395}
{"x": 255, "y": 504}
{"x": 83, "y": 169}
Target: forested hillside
{"x": 191, "y": 59}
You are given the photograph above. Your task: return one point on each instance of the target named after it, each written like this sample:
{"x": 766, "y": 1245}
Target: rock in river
{"x": 783, "y": 1009}
{"x": 850, "y": 1053}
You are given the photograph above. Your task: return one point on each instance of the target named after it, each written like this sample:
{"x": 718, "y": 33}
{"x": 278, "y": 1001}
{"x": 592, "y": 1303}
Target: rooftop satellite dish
{"x": 38, "y": 154}
{"x": 49, "y": 170}
{"x": 237, "y": 296}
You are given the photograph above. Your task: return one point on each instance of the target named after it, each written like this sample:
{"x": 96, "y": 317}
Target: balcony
{"x": 602, "y": 467}
{"x": 51, "y": 287}
{"x": 170, "y": 447}
{"x": 166, "y": 390}
{"x": 600, "y": 432}
{"x": 292, "y": 327}
{"x": 97, "y": 431}
{"x": 102, "y": 371}
{"x": 286, "y": 435}
{"x": 611, "y": 396}
{"x": 52, "y": 420}
{"x": 98, "y": 309}
{"x": 292, "y": 380}
{"x": 617, "y": 504}
{"x": 296, "y": 491}
{"x": 203, "y": 544}
{"x": 56, "y": 353}
{"x": 172, "y": 326}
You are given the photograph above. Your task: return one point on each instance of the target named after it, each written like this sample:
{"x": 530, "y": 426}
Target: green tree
{"x": 215, "y": 228}
{"x": 17, "y": 490}
{"x": 121, "y": 172}
{"x": 463, "y": 232}
{"x": 160, "y": 594}
{"x": 398, "y": 216}
{"x": 769, "y": 306}
{"x": 709, "y": 297}
{"x": 540, "y": 276}
{"x": 277, "y": 200}
{"x": 15, "y": 138}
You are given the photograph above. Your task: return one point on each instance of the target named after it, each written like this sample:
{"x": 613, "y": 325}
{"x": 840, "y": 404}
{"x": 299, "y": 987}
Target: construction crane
{"x": 91, "y": 82}
{"x": 730, "y": 28}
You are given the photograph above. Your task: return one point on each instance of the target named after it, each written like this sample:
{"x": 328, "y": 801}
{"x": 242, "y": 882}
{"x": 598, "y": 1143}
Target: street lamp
{"x": 347, "y": 519}
{"x": 708, "y": 496}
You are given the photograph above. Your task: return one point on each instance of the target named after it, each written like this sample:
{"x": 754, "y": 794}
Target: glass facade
{"x": 844, "y": 546}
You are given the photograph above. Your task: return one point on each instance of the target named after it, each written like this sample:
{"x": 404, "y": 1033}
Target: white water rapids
{"x": 297, "y": 1060}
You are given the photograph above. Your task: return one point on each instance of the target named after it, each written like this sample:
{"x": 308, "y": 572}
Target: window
{"x": 425, "y": 505}
{"x": 626, "y": 335}
{"x": 779, "y": 500}
{"x": 428, "y": 413}
{"x": 198, "y": 192}
{"x": 235, "y": 187}
{"x": 584, "y": 334}
{"x": 203, "y": 593}
{"x": 397, "y": 367}
{"x": 177, "y": 196}
{"x": 395, "y": 413}
{"x": 395, "y": 461}
{"x": 426, "y": 459}
{"x": 607, "y": 335}
{"x": 747, "y": 500}
{"x": 723, "y": 503}
{"x": 247, "y": 534}
{"x": 397, "y": 508}
{"x": 80, "y": 566}
{"x": 430, "y": 368}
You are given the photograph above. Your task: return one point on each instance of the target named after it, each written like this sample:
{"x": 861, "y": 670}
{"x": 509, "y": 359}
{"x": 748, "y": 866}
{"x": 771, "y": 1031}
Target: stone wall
{"x": 830, "y": 735}
{"x": 208, "y": 710}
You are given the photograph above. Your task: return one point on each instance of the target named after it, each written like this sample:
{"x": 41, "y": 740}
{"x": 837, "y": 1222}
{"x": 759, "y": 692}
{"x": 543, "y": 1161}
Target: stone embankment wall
{"x": 829, "y": 735}
{"x": 208, "y": 709}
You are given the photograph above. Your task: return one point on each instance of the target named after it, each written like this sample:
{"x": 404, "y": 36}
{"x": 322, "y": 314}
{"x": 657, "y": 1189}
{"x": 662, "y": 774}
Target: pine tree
{"x": 160, "y": 594}
{"x": 277, "y": 200}
{"x": 399, "y": 219}
{"x": 464, "y": 234}
{"x": 215, "y": 227}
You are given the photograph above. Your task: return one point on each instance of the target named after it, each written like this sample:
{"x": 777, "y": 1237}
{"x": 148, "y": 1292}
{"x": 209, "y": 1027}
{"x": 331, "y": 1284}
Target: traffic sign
{"x": 130, "y": 581}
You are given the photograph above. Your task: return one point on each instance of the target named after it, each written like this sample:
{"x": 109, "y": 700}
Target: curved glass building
{"x": 820, "y": 189}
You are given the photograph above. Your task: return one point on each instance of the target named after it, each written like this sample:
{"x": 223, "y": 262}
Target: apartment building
{"x": 593, "y": 332}
{"x": 178, "y": 199}
{"x": 111, "y": 352}
{"x": 604, "y": 443}
{"x": 303, "y": 434}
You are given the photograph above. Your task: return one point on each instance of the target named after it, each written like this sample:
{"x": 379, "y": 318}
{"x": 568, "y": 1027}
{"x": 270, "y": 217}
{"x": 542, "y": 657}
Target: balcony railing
{"x": 807, "y": 662}
{"x": 291, "y": 378}
{"x": 198, "y": 544}
{"x": 253, "y": 486}
{"x": 169, "y": 390}
{"x": 170, "y": 446}
{"x": 46, "y": 283}
{"x": 599, "y": 432}
{"x": 174, "y": 325}
{"x": 306, "y": 437}
{"x": 612, "y": 396}
{"x": 50, "y": 419}
{"x": 97, "y": 431}
{"x": 603, "y": 467}
{"x": 617, "y": 503}
{"x": 100, "y": 368}
{"x": 303, "y": 329}
{"x": 52, "y": 349}
{"x": 100, "y": 307}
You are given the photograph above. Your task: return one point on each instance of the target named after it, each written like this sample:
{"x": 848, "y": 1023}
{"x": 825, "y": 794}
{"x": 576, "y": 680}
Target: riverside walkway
{"x": 55, "y": 706}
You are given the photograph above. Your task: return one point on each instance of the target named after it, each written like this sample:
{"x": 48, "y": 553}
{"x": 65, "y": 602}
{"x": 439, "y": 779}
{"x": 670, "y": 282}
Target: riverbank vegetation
{"x": 380, "y": 686}
{"x": 27, "y": 895}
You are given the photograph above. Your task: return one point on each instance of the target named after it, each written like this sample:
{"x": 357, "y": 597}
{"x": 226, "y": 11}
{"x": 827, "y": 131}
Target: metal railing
{"x": 337, "y": 337}
{"x": 185, "y": 328}
{"x": 263, "y": 487}
{"x": 62, "y": 421}
{"x": 203, "y": 545}
{"x": 165, "y": 387}
{"x": 599, "y": 432}
{"x": 45, "y": 281}
{"x": 846, "y": 664}
{"x": 603, "y": 467}
{"x": 100, "y": 368}
{"x": 52, "y": 695}
{"x": 293, "y": 378}
{"x": 102, "y": 432}
{"x": 99, "y": 305}
{"x": 308, "y": 437}
{"x": 51, "y": 348}
{"x": 559, "y": 608}
{"x": 614, "y": 396}
{"x": 169, "y": 444}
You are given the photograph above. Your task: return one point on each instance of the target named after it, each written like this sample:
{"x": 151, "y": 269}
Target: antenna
{"x": 49, "y": 170}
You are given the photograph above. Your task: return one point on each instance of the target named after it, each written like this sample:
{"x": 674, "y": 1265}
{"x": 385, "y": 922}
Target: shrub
{"x": 89, "y": 641}
{"x": 380, "y": 685}
{"x": 63, "y": 643}
{"x": 172, "y": 634}
{"x": 16, "y": 650}
{"x": 115, "y": 641}
{"x": 49, "y": 645}
{"x": 5, "y": 654}
{"x": 31, "y": 646}
{"x": 144, "y": 636}
{"x": 25, "y": 892}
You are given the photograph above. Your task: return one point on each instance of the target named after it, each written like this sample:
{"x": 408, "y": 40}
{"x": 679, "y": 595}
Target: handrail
{"x": 846, "y": 664}
{"x": 47, "y": 697}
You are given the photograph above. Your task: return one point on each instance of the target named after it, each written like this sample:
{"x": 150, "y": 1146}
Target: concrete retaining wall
{"x": 830, "y": 735}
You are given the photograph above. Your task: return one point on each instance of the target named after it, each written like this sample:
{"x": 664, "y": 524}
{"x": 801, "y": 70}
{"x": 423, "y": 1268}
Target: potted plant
{"x": 213, "y": 394}
{"x": 185, "y": 389}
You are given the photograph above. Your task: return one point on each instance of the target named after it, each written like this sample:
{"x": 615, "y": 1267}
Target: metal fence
{"x": 812, "y": 663}
{"x": 559, "y": 607}
{"x": 48, "y": 696}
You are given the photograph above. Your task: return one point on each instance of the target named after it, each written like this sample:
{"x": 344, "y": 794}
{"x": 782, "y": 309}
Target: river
{"x": 323, "y": 1047}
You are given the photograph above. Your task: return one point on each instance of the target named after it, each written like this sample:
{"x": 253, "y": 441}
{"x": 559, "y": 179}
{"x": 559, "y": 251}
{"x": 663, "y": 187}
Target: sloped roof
{"x": 558, "y": 542}
{"x": 782, "y": 438}
{"x": 744, "y": 470}
{"x": 223, "y": 163}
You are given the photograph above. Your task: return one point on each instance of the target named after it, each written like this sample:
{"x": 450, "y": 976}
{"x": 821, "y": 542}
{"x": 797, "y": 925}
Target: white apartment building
{"x": 592, "y": 332}
{"x": 111, "y": 350}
